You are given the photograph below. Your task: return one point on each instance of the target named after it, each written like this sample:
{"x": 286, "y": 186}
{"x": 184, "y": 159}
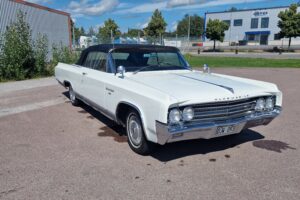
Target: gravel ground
{"x": 52, "y": 150}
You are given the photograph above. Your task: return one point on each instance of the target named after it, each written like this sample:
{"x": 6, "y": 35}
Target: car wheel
{"x": 72, "y": 95}
{"x": 136, "y": 136}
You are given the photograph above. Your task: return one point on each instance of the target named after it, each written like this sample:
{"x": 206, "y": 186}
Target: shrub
{"x": 40, "y": 56}
{"x": 22, "y": 58}
{"x": 61, "y": 53}
{"x": 17, "y": 61}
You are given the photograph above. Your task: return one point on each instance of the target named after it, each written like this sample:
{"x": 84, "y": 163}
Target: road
{"x": 52, "y": 150}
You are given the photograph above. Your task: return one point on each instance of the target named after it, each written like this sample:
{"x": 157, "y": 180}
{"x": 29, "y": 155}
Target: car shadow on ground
{"x": 182, "y": 149}
{"x": 110, "y": 129}
{"x": 175, "y": 150}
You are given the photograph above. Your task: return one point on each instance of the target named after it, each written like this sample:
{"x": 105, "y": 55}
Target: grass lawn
{"x": 196, "y": 61}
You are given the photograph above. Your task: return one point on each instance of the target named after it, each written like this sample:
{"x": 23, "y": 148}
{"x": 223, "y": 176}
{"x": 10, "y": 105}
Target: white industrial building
{"x": 251, "y": 26}
{"x": 55, "y": 24}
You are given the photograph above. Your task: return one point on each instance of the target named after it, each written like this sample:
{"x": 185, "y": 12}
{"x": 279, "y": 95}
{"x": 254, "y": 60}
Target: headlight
{"x": 270, "y": 103}
{"x": 188, "y": 114}
{"x": 174, "y": 116}
{"x": 260, "y": 104}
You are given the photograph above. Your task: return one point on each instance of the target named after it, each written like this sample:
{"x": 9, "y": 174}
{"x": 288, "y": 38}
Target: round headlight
{"x": 174, "y": 116}
{"x": 188, "y": 114}
{"x": 260, "y": 104}
{"x": 269, "y": 103}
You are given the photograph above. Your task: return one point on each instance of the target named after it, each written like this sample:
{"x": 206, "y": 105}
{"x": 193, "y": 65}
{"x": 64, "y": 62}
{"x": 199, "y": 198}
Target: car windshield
{"x": 135, "y": 60}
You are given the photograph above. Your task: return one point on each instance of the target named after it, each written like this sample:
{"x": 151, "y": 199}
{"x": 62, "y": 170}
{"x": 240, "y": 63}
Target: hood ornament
{"x": 228, "y": 88}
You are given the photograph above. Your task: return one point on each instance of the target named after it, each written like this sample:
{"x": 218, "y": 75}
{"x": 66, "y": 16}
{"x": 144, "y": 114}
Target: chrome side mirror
{"x": 121, "y": 71}
{"x": 206, "y": 69}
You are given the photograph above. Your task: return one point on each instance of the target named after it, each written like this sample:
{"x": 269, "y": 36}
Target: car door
{"x": 92, "y": 82}
{"x": 75, "y": 77}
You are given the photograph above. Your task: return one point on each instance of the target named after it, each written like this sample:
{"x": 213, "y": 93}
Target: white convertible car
{"x": 158, "y": 98}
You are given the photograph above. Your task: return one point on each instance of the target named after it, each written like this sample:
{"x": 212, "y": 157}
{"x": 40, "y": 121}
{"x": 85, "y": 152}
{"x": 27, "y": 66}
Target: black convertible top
{"x": 107, "y": 47}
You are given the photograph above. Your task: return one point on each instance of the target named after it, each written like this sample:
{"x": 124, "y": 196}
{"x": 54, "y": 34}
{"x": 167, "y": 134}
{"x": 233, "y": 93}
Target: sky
{"x": 137, "y": 13}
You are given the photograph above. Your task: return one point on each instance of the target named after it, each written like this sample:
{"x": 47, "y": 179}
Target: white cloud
{"x": 175, "y": 3}
{"x": 124, "y": 5}
{"x": 212, "y": 3}
{"x": 143, "y": 8}
{"x": 39, "y": 1}
{"x": 97, "y": 26}
{"x": 85, "y": 7}
{"x": 174, "y": 26}
{"x": 181, "y": 5}
{"x": 144, "y": 24}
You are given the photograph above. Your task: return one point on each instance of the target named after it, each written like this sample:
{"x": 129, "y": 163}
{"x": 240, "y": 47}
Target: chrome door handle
{"x": 84, "y": 73}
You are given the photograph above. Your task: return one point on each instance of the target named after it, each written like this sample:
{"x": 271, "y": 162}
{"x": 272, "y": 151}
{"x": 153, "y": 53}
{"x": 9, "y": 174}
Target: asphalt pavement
{"x": 52, "y": 150}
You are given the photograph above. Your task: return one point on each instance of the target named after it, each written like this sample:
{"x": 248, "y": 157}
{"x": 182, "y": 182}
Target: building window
{"x": 227, "y": 22}
{"x": 265, "y": 22}
{"x": 277, "y": 36}
{"x": 254, "y": 23}
{"x": 238, "y": 22}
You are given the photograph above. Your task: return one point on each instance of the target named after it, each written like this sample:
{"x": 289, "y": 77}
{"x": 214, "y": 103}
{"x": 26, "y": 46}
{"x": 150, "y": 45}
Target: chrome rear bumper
{"x": 165, "y": 134}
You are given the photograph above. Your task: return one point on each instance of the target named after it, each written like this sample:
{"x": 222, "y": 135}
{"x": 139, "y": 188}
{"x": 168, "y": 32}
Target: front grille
{"x": 223, "y": 111}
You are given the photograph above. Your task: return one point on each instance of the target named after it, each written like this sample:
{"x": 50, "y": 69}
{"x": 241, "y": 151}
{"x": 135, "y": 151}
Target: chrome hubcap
{"x": 135, "y": 131}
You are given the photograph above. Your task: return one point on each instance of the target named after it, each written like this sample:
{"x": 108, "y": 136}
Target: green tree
{"x": 82, "y": 31}
{"x": 110, "y": 27}
{"x": 64, "y": 54}
{"x": 216, "y": 30}
{"x": 77, "y": 32}
{"x": 170, "y": 34}
{"x": 156, "y": 26}
{"x": 91, "y": 31}
{"x": 134, "y": 33}
{"x": 232, "y": 9}
{"x": 17, "y": 61}
{"x": 289, "y": 23}
{"x": 196, "y": 26}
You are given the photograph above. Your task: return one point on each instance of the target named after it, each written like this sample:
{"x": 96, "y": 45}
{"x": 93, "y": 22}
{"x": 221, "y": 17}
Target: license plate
{"x": 222, "y": 130}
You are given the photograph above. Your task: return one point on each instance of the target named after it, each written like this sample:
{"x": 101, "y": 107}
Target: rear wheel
{"x": 72, "y": 95}
{"x": 136, "y": 136}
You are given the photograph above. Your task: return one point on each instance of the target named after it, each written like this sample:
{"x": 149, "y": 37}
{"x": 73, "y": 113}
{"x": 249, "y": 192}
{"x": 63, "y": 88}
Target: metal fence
{"x": 192, "y": 44}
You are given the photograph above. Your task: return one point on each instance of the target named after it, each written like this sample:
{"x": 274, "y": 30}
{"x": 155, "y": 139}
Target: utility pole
{"x": 160, "y": 39}
{"x": 189, "y": 28}
{"x": 139, "y": 37}
{"x": 189, "y": 32}
{"x": 245, "y": 4}
{"x": 111, "y": 36}
{"x": 73, "y": 32}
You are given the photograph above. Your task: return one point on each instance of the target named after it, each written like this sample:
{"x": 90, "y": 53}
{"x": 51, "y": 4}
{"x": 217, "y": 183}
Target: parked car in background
{"x": 153, "y": 92}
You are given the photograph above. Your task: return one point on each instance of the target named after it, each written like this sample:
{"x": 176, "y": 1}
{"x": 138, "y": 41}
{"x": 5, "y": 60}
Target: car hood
{"x": 197, "y": 87}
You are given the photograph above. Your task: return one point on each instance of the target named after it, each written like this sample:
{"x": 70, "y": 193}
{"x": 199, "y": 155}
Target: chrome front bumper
{"x": 165, "y": 134}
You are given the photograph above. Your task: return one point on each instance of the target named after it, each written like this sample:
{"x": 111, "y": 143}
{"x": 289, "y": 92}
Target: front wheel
{"x": 136, "y": 136}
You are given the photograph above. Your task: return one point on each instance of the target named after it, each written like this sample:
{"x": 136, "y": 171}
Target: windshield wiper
{"x": 143, "y": 68}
